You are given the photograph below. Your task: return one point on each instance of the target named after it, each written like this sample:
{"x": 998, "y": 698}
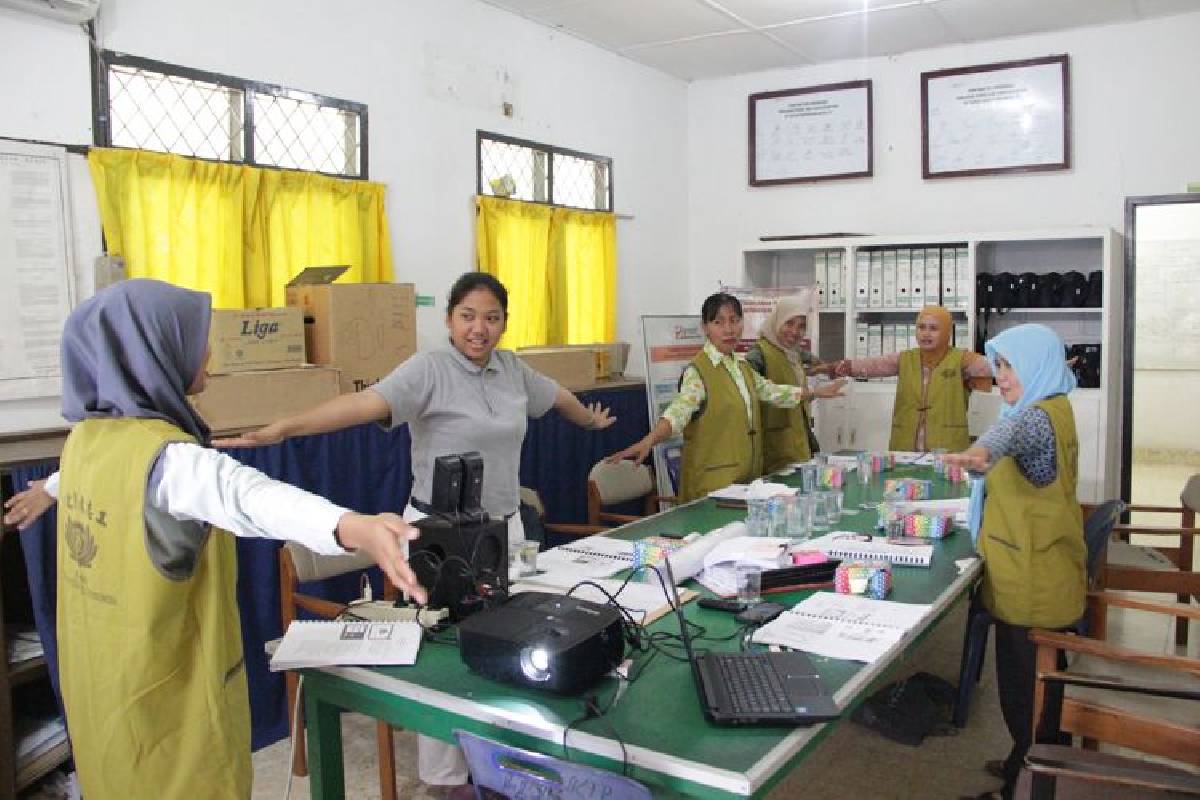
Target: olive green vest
{"x": 720, "y": 446}
{"x": 1031, "y": 539}
{"x": 785, "y": 430}
{"x": 151, "y": 667}
{"x": 943, "y": 402}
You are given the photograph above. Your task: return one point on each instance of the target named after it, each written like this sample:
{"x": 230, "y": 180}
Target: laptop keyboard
{"x": 752, "y": 683}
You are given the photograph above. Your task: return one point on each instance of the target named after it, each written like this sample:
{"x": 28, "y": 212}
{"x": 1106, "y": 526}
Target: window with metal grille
{"x": 542, "y": 173}
{"x": 151, "y": 105}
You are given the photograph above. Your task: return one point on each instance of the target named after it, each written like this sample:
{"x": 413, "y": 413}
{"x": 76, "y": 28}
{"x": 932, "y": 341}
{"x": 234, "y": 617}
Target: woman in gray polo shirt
{"x": 469, "y": 396}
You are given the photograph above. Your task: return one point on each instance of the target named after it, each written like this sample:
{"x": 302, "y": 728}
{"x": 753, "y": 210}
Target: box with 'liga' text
{"x": 255, "y": 339}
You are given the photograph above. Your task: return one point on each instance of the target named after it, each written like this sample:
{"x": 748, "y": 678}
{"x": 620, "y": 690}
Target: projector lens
{"x": 535, "y": 663}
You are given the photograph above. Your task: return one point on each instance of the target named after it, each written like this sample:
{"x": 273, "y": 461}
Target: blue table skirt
{"x": 366, "y": 469}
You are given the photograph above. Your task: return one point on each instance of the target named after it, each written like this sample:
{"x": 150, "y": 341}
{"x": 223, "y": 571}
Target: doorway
{"x": 1161, "y": 431}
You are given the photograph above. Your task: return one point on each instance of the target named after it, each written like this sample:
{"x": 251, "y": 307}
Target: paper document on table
{"x": 751, "y": 491}
{"x": 843, "y": 626}
{"x": 910, "y": 457}
{"x": 645, "y": 602}
{"x": 593, "y": 557}
{"x": 850, "y": 546}
{"x": 322, "y": 643}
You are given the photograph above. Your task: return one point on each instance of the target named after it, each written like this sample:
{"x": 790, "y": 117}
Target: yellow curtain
{"x": 176, "y": 219}
{"x": 559, "y": 266}
{"x": 583, "y": 258}
{"x": 236, "y": 231}
{"x": 302, "y": 219}
{"x": 512, "y": 242}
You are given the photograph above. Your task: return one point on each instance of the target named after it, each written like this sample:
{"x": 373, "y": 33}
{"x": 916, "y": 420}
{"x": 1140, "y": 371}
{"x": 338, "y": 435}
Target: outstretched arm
{"x": 344, "y": 411}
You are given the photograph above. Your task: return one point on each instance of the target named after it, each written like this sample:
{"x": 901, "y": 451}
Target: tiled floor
{"x": 853, "y": 761}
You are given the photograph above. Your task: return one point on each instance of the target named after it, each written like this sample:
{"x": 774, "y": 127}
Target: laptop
{"x": 762, "y": 688}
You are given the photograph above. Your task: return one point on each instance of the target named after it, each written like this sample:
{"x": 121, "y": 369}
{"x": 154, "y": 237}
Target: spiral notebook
{"x": 861, "y": 547}
{"x": 843, "y": 626}
{"x": 324, "y": 643}
{"x": 591, "y": 557}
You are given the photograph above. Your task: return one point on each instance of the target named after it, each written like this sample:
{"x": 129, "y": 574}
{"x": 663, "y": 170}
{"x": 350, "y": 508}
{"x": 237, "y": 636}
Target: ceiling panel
{"x": 531, "y": 6}
{"x": 717, "y": 55}
{"x": 774, "y": 12}
{"x": 1159, "y": 8}
{"x": 621, "y": 23}
{"x": 977, "y": 20}
{"x": 677, "y": 35}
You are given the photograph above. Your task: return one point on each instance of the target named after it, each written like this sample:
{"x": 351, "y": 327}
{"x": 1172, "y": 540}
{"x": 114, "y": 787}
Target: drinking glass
{"x": 749, "y": 584}
{"x": 865, "y": 475}
{"x": 820, "y": 511}
{"x": 757, "y": 519}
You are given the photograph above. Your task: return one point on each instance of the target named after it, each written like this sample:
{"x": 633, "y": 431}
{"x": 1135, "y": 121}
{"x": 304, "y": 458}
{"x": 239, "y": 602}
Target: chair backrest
{"x": 1097, "y": 529}
{"x": 312, "y": 566}
{"x": 521, "y": 773}
{"x": 622, "y": 481}
{"x": 1190, "y": 496}
{"x": 531, "y": 498}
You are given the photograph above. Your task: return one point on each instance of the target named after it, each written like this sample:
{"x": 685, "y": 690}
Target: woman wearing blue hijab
{"x": 1026, "y": 521}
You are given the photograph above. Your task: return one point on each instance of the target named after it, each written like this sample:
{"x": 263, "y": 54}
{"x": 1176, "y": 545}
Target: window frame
{"x": 102, "y": 127}
{"x": 551, "y": 151}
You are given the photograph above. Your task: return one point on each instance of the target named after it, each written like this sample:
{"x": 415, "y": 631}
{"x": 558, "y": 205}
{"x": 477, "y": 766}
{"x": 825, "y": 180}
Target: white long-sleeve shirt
{"x": 198, "y": 484}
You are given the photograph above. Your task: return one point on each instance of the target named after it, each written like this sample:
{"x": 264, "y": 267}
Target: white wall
{"x": 1133, "y": 121}
{"x": 431, "y": 73}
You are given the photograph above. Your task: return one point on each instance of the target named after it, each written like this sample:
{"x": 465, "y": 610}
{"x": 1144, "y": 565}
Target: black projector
{"x": 542, "y": 640}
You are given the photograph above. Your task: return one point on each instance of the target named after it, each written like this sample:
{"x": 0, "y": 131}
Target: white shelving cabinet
{"x": 862, "y": 419}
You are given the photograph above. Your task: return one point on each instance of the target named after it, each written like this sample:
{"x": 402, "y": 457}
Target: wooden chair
{"x": 1133, "y": 699}
{"x": 608, "y": 485}
{"x": 1169, "y": 570}
{"x": 297, "y": 565}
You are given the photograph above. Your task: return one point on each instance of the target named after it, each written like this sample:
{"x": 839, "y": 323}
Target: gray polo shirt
{"x": 453, "y": 406}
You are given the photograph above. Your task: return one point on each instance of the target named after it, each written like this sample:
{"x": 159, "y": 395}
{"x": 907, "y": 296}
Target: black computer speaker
{"x": 463, "y": 564}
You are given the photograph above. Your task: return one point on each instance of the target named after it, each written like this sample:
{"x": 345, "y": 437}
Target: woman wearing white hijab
{"x": 778, "y": 357}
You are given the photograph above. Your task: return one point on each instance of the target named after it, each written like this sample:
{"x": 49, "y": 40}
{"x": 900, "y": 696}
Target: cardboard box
{"x": 255, "y": 339}
{"x": 363, "y": 329}
{"x": 241, "y": 400}
{"x": 573, "y": 366}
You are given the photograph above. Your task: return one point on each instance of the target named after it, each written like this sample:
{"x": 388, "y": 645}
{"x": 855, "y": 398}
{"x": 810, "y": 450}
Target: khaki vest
{"x": 1031, "y": 539}
{"x": 153, "y": 681}
{"x": 785, "y": 430}
{"x": 719, "y": 446}
{"x": 943, "y": 400}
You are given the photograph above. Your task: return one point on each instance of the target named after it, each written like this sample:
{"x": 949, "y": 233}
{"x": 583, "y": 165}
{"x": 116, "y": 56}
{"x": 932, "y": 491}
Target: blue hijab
{"x": 1038, "y": 357}
{"x": 133, "y": 350}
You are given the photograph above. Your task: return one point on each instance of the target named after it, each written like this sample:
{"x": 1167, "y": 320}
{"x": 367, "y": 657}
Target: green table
{"x": 667, "y": 741}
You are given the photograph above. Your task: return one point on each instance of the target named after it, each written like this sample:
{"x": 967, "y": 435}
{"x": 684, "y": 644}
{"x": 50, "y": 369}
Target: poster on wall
{"x": 1013, "y": 116}
{"x": 812, "y": 134}
{"x": 36, "y": 267}
{"x": 670, "y": 343}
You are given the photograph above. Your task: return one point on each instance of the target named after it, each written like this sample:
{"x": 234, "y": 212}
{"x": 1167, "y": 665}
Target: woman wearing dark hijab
{"x": 150, "y": 651}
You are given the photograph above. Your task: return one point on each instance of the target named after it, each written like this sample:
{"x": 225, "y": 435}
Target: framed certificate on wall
{"x": 814, "y": 134}
{"x": 995, "y": 118}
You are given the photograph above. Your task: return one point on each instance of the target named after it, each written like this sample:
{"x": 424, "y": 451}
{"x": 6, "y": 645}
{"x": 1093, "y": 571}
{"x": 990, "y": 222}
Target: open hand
{"x": 636, "y": 452}
{"x": 976, "y": 459}
{"x": 382, "y": 536}
{"x": 833, "y": 389}
{"x": 24, "y": 508}
{"x": 601, "y": 417}
{"x": 268, "y": 434}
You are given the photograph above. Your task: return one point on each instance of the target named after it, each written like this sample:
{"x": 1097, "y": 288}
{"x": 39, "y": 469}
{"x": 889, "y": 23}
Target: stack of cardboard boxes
{"x": 352, "y": 334}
